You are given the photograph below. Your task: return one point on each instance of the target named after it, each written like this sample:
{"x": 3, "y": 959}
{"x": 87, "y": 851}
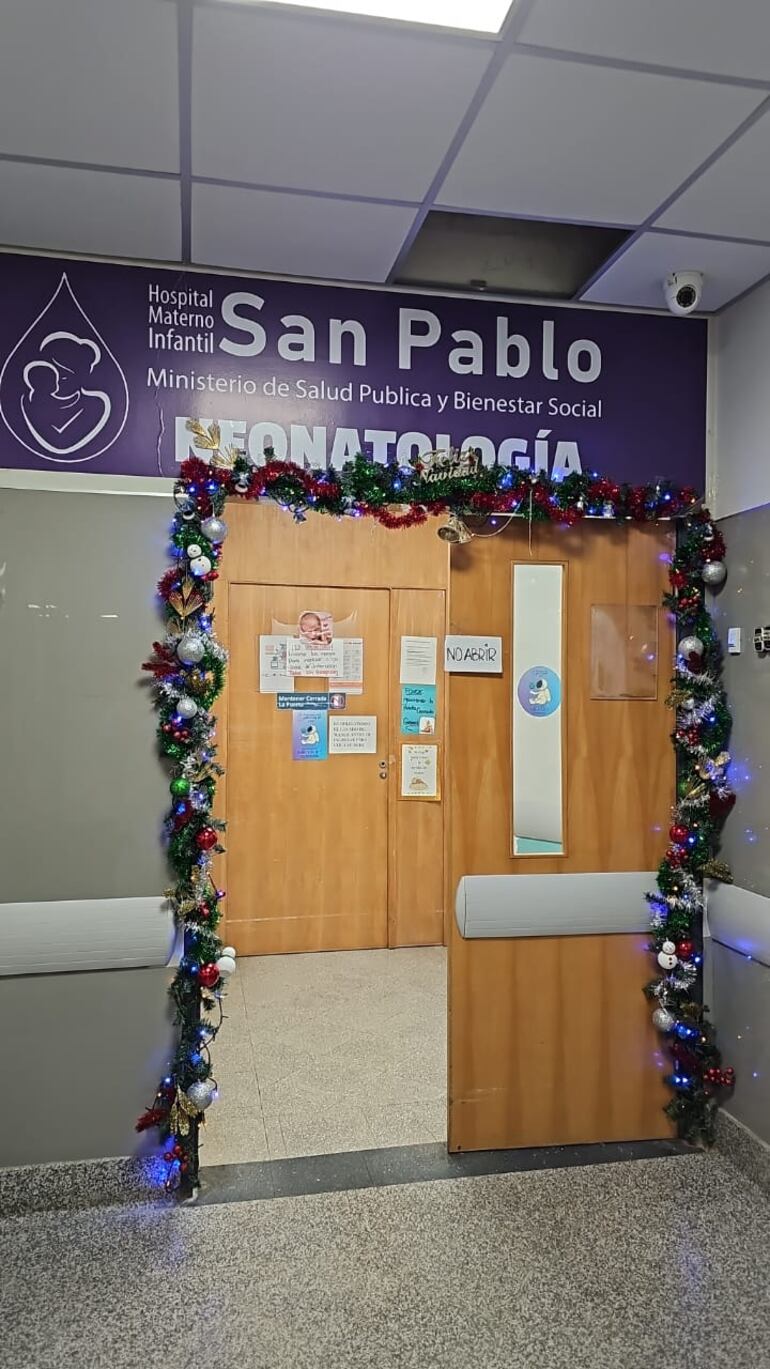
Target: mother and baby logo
{"x": 63, "y": 395}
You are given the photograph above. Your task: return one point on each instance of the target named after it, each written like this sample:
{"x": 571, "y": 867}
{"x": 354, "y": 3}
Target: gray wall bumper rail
{"x": 553, "y": 905}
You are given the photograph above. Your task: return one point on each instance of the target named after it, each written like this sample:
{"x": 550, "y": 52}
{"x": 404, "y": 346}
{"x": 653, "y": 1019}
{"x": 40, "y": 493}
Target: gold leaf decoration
{"x": 207, "y": 438}
{"x": 187, "y": 599}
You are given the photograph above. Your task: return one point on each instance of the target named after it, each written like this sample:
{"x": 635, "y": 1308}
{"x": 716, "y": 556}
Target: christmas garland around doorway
{"x": 188, "y": 668}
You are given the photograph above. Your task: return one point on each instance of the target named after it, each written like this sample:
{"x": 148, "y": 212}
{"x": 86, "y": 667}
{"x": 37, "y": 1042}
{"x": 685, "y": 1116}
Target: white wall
{"x": 740, "y": 345}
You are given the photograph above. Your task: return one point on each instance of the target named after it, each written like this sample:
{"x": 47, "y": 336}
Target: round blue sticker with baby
{"x": 539, "y": 691}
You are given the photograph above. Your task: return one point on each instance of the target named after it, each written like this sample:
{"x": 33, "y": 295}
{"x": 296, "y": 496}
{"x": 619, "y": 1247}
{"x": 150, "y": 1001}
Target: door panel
{"x": 307, "y": 840}
{"x": 550, "y": 1037}
{"x": 416, "y": 876}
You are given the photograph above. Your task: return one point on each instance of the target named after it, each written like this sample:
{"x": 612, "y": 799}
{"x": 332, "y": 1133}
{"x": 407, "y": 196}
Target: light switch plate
{"x": 734, "y": 641}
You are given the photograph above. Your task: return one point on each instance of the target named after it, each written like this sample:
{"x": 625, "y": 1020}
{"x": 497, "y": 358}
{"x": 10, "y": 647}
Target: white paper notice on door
{"x": 418, "y": 660}
{"x": 350, "y": 735}
{"x": 419, "y": 771}
{"x": 351, "y": 681}
{"x": 274, "y": 677}
{"x": 314, "y": 658}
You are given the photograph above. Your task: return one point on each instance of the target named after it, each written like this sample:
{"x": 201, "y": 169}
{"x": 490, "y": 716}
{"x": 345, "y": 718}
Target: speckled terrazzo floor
{"x": 659, "y": 1264}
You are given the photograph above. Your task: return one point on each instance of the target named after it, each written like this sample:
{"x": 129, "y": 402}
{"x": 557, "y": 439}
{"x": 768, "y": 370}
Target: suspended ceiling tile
{"x": 61, "y": 209}
{"x": 636, "y": 278}
{"x": 90, "y": 81}
{"x": 296, "y": 235}
{"x": 557, "y": 140}
{"x": 731, "y": 39}
{"x": 733, "y": 196}
{"x": 314, "y": 105}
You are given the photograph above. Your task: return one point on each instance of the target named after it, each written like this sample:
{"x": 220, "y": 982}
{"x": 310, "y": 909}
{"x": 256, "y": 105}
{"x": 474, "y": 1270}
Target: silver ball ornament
{"x": 186, "y": 707}
{"x": 714, "y": 572}
{"x": 191, "y": 648}
{"x": 200, "y": 566}
{"x": 663, "y": 1019}
{"x": 226, "y": 966}
{"x": 691, "y": 646}
{"x": 201, "y": 1094}
{"x": 215, "y": 529}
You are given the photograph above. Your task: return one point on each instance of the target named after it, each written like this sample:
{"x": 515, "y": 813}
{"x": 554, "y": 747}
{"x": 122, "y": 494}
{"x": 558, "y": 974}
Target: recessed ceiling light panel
{"x": 478, "y": 16}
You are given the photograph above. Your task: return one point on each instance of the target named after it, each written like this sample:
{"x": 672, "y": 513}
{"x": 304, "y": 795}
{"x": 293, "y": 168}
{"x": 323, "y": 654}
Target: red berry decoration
{"x": 728, "y": 1077}
{"x": 206, "y": 838}
{"x": 678, "y": 833}
{"x": 208, "y": 975}
{"x": 178, "y": 1152}
{"x": 674, "y": 856}
{"x": 684, "y": 949}
{"x": 678, "y": 579}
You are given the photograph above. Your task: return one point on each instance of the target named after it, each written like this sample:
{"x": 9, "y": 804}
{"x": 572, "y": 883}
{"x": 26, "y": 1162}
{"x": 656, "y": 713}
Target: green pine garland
{"x": 189, "y": 671}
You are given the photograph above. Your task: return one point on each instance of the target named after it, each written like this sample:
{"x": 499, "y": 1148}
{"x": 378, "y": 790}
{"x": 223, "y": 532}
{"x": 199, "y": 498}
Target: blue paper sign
{"x": 309, "y": 735}
{"x": 297, "y": 702}
{"x": 418, "y": 709}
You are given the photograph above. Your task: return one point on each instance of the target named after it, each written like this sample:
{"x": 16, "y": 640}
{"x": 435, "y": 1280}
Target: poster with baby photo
{"x": 317, "y": 631}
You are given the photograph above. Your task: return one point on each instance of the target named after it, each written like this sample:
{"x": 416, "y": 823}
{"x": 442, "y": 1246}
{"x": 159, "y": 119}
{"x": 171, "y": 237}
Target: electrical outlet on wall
{"x": 734, "y": 641}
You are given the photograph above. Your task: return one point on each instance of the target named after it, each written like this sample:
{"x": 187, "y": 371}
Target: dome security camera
{"x": 683, "y": 291}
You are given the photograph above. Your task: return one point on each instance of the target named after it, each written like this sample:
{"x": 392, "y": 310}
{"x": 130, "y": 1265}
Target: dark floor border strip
{"x": 406, "y": 1165}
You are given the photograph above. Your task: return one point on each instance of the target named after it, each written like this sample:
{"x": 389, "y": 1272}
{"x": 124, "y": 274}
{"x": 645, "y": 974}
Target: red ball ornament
{"x": 684, "y": 949}
{"x": 678, "y": 833}
{"x": 206, "y": 838}
{"x": 208, "y": 975}
{"x": 204, "y": 910}
{"x": 678, "y": 579}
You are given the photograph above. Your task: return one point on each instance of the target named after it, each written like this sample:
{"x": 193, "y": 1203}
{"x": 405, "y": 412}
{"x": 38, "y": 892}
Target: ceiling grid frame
{"x": 496, "y": 49}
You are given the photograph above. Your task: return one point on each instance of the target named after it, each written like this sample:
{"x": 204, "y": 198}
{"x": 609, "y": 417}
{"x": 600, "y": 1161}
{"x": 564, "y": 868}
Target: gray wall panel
{"x": 738, "y": 987}
{"x": 83, "y": 1059}
{"x": 84, "y": 791}
{"x": 740, "y": 999}
{"x": 744, "y": 601}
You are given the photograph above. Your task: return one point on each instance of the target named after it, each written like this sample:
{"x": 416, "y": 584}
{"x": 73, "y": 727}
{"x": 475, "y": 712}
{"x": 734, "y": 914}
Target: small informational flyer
{"x": 352, "y": 735}
{"x": 309, "y": 735}
{"x": 274, "y": 676}
{"x": 351, "y": 681}
{"x": 418, "y": 710}
{"x": 314, "y": 658}
{"x": 419, "y": 771}
{"x": 418, "y": 660}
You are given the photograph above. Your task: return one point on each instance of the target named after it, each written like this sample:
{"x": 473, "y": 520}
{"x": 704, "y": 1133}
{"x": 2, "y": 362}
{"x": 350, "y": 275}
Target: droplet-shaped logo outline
{"x": 63, "y": 393}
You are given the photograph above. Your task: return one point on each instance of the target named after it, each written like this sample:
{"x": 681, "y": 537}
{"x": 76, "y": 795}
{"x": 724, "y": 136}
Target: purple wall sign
{"x": 101, "y": 367}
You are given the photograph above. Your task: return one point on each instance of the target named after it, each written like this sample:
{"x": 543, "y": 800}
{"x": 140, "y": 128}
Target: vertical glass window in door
{"x": 538, "y": 690}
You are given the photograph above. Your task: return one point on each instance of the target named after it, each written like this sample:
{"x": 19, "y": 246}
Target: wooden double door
{"x": 322, "y": 854}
